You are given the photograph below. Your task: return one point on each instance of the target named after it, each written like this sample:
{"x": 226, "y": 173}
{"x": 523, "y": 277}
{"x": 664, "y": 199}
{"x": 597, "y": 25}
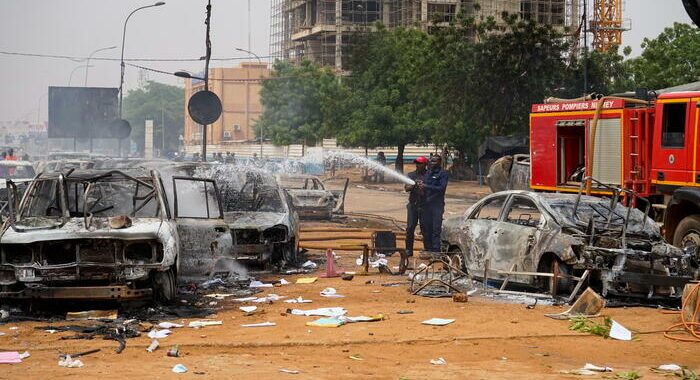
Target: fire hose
{"x": 691, "y": 327}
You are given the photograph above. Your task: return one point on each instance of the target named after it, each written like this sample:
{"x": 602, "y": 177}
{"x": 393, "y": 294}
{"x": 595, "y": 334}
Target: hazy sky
{"x": 174, "y": 30}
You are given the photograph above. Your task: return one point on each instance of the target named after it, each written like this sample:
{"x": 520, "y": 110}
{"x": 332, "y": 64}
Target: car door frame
{"x": 518, "y": 234}
{"x": 475, "y": 245}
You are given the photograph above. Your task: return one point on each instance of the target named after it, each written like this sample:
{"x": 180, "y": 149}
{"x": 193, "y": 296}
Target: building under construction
{"x": 321, "y": 30}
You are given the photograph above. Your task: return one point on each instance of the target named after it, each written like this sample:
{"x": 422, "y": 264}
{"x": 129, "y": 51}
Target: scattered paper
{"x": 2, "y": 333}
{"x": 48, "y": 331}
{"x": 669, "y": 367}
{"x": 245, "y": 299}
{"x": 321, "y": 312}
{"x": 362, "y": 318}
{"x": 263, "y": 324}
{"x": 309, "y": 265}
{"x": 326, "y": 322}
{"x": 259, "y": 284}
{"x": 198, "y": 324}
{"x": 215, "y": 281}
{"x": 179, "y": 368}
{"x": 248, "y": 309}
{"x": 153, "y": 346}
{"x": 438, "y": 321}
{"x": 24, "y": 355}
{"x": 381, "y": 261}
{"x": 169, "y": 325}
{"x": 91, "y": 315}
{"x": 10, "y": 357}
{"x": 617, "y": 331}
{"x": 592, "y": 367}
{"x": 14, "y": 328}
{"x": 331, "y": 293}
{"x": 292, "y": 371}
{"x": 306, "y": 280}
{"x": 68, "y": 362}
{"x": 438, "y": 361}
{"x": 284, "y": 282}
{"x": 298, "y": 300}
{"x": 356, "y": 357}
{"x": 158, "y": 334}
{"x": 219, "y": 296}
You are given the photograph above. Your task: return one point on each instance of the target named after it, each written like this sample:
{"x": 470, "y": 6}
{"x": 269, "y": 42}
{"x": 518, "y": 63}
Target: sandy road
{"x": 488, "y": 340}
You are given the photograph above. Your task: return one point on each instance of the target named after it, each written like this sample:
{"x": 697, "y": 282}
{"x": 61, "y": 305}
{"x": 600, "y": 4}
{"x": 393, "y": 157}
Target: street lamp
{"x": 186, "y": 75}
{"x": 70, "y": 78}
{"x": 247, "y": 97}
{"x": 121, "y": 80}
{"x": 90, "y": 56}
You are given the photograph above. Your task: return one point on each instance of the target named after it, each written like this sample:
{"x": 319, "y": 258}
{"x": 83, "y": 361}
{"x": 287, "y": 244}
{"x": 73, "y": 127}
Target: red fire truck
{"x": 652, "y": 148}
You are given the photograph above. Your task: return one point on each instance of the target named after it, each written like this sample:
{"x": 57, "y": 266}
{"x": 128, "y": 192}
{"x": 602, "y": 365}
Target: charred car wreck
{"x": 108, "y": 235}
{"x": 310, "y": 197}
{"x": 526, "y": 232}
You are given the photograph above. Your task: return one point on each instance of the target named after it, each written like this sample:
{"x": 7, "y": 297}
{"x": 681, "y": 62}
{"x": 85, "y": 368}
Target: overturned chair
{"x": 383, "y": 242}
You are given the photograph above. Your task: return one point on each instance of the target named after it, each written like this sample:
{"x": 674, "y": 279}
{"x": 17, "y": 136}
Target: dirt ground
{"x": 488, "y": 340}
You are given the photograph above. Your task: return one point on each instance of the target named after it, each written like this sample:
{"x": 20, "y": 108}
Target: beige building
{"x": 239, "y": 91}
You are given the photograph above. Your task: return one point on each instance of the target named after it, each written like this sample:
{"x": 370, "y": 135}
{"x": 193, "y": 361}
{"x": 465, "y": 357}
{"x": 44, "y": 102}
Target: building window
{"x": 673, "y": 132}
{"x": 236, "y": 127}
{"x": 441, "y": 12}
{"x": 227, "y": 134}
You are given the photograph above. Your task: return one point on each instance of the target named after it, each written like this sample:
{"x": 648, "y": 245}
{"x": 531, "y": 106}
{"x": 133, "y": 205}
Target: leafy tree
{"x": 386, "y": 88}
{"x": 671, "y": 59}
{"x": 297, "y": 102}
{"x": 161, "y": 103}
{"x": 608, "y": 72}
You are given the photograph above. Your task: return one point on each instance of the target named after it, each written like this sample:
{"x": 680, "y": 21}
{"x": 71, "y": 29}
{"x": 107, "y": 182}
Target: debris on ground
{"x": 438, "y": 361}
{"x": 320, "y": 312}
{"x": 91, "y": 315}
{"x": 347, "y": 277}
{"x": 619, "y": 332}
{"x": 437, "y": 322}
{"x": 669, "y": 367}
{"x": 588, "y": 305}
{"x": 69, "y": 362}
{"x": 589, "y": 326}
{"x": 80, "y": 354}
{"x": 593, "y": 367}
{"x": 179, "y": 368}
{"x": 331, "y": 293}
{"x": 248, "y": 309}
{"x": 169, "y": 325}
{"x": 259, "y": 284}
{"x": 10, "y": 357}
{"x": 153, "y": 346}
{"x": 356, "y": 357}
{"x": 326, "y": 322}
{"x": 299, "y": 299}
{"x": 306, "y": 280}
{"x": 460, "y": 297}
{"x": 263, "y": 324}
{"x": 292, "y": 371}
{"x": 173, "y": 352}
{"x": 110, "y": 330}
{"x": 159, "y": 334}
{"x": 309, "y": 265}
{"x": 204, "y": 323}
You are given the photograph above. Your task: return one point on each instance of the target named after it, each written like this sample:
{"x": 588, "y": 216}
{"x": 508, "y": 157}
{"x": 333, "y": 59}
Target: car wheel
{"x": 457, "y": 258}
{"x": 564, "y": 285}
{"x": 164, "y": 289}
{"x": 688, "y": 232}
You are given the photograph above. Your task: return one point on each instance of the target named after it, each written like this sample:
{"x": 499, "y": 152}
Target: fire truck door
{"x": 673, "y": 143}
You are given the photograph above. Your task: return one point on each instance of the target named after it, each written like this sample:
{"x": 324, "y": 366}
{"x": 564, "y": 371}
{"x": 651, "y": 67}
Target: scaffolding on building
{"x": 322, "y": 30}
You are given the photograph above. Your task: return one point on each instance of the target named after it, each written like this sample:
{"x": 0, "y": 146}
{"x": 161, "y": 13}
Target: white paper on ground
{"x": 284, "y": 282}
{"x": 158, "y": 334}
{"x": 309, "y": 265}
{"x": 593, "y": 367}
{"x": 321, "y": 312}
{"x": 331, "y": 293}
{"x": 298, "y": 300}
{"x": 70, "y": 363}
{"x": 438, "y": 361}
{"x": 248, "y": 309}
{"x": 292, "y": 371}
{"x": 259, "y": 284}
{"x": 264, "y": 324}
{"x": 169, "y": 325}
{"x": 24, "y": 355}
{"x": 179, "y": 368}
{"x": 48, "y": 331}
{"x": 438, "y": 321}
{"x": 198, "y": 324}
{"x": 669, "y": 367}
{"x": 245, "y": 299}
{"x": 617, "y": 331}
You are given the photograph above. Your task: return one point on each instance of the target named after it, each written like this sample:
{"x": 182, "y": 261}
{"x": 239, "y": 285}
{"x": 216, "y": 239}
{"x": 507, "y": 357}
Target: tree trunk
{"x": 399, "y": 158}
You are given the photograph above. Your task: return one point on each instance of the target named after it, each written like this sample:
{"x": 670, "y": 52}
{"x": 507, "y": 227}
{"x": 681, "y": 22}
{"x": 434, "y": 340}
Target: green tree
{"x": 671, "y": 59}
{"x": 387, "y": 84}
{"x": 608, "y": 72}
{"x": 297, "y": 103}
{"x": 162, "y": 103}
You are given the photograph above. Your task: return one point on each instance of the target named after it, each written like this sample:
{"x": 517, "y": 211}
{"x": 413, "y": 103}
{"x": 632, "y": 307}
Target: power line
{"x": 80, "y": 59}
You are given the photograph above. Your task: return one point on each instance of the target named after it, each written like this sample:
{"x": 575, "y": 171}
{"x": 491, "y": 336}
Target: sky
{"x": 175, "y": 30}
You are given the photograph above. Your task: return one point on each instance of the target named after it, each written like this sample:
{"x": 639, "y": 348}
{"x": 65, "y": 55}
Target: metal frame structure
{"x": 607, "y": 24}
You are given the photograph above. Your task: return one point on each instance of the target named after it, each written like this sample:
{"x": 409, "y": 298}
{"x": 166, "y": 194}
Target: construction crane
{"x": 606, "y": 25}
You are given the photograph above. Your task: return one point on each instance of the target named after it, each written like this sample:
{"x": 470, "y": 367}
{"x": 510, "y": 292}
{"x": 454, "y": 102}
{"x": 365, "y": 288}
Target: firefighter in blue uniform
{"x": 434, "y": 184}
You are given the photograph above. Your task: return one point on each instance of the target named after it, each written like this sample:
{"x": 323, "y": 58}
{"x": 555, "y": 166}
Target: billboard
{"x": 85, "y": 112}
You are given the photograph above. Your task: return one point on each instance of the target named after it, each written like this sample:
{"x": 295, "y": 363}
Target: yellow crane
{"x": 607, "y": 24}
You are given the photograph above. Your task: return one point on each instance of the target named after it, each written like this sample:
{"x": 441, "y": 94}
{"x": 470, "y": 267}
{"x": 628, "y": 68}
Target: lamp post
{"x": 90, "y": 56}
{"x": 247, "y": 98}
{"x": 70, "y": 77}
{"x": 121, "y": 79}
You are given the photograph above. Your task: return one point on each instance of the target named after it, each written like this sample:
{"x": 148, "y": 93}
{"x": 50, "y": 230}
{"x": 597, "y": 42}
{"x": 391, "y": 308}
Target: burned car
{"x": 523, "y": 232}
{"x": 92, "y": 234}
{"x": 311, "y": 198}
{"x": 20, "y": 172}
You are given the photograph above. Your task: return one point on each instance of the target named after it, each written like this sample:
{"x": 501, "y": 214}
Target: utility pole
{"x": 585, "y": 48}
{"x": 206, "y": 77}
{"x": 339, "y": 38}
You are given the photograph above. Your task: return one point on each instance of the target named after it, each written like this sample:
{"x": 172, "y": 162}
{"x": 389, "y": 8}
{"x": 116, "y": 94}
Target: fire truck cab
{"x": 650, "y": 147}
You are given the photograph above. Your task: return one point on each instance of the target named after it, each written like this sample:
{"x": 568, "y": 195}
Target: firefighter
{"x": 414, "y": 207}
{"x": 434, "y": 184}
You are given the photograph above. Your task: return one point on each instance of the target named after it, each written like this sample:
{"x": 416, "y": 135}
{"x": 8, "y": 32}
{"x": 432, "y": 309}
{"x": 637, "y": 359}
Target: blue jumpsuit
{"x": 435, "y": 181}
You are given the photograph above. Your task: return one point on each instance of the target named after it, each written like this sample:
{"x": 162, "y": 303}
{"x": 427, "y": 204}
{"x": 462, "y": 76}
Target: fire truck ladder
{"x": 637, "y": 180}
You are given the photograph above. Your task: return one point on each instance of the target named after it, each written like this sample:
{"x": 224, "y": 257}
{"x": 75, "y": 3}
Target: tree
{"x": 386, "y": 87}
{"x": 671, "y": 59}
{"x": 608, "y": 72}
{"x": 297, "y": 101}
{"x": 162, "y": 103}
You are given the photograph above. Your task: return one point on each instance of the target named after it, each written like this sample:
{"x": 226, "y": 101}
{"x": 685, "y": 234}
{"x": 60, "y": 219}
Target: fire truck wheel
{"x": 688, "y": 232}
{"x": 164, "y": 289}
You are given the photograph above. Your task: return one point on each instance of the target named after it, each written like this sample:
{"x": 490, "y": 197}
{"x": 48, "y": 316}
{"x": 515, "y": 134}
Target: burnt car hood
{"x": 311, "y": 197}
{"x": 141, "y": 229}
{"x": 257, "y": 220}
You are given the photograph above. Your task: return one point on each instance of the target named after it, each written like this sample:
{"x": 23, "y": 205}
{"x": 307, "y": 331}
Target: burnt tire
{"x": 564, "y": 285}
{"x": 457, "y": 258}
{"x": 688, "y": 232}
{"x": 164, "y": 288}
